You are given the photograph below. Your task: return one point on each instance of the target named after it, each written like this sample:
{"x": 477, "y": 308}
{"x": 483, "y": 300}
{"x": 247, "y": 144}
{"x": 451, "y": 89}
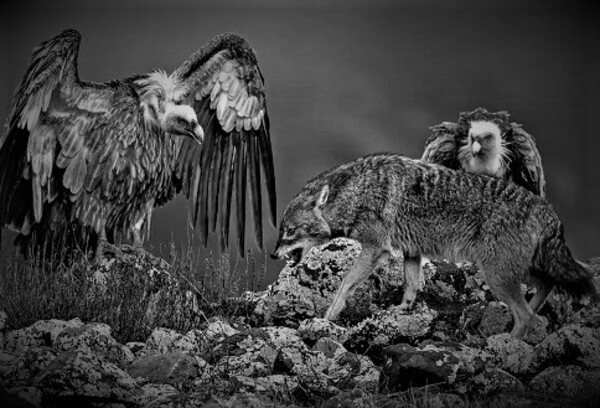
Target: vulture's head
{"x": 484, "y": 140}
{"x": 162, "y": 99}
{"x": 181, "y": 120}
{"x": 484, "y": 149}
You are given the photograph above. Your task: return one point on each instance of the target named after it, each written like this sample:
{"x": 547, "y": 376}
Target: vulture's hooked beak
{"x": 476, "y": 148}
{"x": 197, "y": 134}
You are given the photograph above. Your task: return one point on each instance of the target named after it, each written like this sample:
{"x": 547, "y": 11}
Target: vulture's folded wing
{"x": 526, "y": 162}
{"x": 442, "y": 145}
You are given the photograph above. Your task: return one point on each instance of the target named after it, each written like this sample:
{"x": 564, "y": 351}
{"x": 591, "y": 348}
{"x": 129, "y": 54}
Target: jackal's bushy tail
{"x": 554, "y": 260}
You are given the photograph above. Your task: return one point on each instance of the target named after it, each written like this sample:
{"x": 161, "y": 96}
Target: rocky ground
{"x": 452, "y": 350}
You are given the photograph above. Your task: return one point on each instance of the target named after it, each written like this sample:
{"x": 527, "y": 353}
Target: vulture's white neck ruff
{"x": 493, "y": 160}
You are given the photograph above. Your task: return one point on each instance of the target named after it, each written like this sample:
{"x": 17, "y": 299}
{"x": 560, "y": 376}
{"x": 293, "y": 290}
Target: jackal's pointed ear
{"x": 323, "y": 196}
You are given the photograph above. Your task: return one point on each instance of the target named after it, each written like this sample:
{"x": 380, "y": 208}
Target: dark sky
{"x": 346, "y": 79}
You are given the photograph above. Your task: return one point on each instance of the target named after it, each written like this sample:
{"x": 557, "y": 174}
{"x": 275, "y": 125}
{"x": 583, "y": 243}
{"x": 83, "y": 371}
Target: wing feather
{"x": 443, "y": 144}
{"x": 526, "y": 163}
{"x": 226, "y": 88}
{"x": 63, "y": 137}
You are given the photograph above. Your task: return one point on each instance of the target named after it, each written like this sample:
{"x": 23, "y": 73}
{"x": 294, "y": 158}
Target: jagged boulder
{"x": 167, "y": 368}
{"x": 408, "y": 366}
{"x": 84, "y": 375}
{"x": 509, "y": 353}
{"x": 493, "y": 381}
{"x": 41, "y": 333}
{"x": 306, "y": 290}
{"x": 96, "y": 337}
{"x": 311, "y": 330}
{"x": 390, "y": 326}
{"x": 571, "y": 344}
{"x": 568, "y": 381}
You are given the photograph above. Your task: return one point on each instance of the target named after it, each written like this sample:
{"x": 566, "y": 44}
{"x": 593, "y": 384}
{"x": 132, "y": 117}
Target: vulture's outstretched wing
{"x": 226, "y": 88}
{"x": 526, "y": 163}
{"x": 443, "y": 145}
{"x": 57, "y": 141}
{"x": 28, "y": 145}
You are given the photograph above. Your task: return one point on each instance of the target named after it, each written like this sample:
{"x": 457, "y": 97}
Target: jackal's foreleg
{"x": 413, "y": 280}
{"x": 358, "y": 273}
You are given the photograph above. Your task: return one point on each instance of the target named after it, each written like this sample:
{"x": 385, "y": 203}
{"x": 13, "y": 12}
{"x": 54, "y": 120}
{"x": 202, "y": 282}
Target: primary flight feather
{"x": 95, "y": 159}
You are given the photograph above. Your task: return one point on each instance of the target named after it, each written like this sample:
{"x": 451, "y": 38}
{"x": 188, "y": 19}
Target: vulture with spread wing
{"x": 95, "y": 159}
{"x": 487, "y": 143}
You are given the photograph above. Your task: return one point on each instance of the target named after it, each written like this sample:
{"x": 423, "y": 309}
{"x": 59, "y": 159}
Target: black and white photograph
{"x": 336, "y": 203}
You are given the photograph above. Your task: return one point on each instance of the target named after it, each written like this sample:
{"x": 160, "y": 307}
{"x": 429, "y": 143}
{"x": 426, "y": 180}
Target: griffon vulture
{"x": 96, "y": 158}
{"x": 487, "y": 143}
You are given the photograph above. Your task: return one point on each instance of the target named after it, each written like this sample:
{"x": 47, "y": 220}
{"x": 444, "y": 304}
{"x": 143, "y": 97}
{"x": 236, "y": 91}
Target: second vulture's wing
{"x": 526, "y": 162}
{"x": 226, "y": 88}
{"x": 443, "y": 145}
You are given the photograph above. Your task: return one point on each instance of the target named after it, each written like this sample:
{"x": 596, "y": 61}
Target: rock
{"x": 275, "y": 384}
{"x": 41, "y": 333}
{"x": 407, "y": 366}
{"x": 390, "y": 326}
{"x": 135, "y": 347}
{"x": 496, "y": 319}
{"x": 248, "y": 353}
{"x": 85, "y": 375}
{"x": 509, "y": 353}
{"x": 305, "y": 291}
{"x": 218, "y": 329}
{"x": 311, "y": 330}
{"x": 163, "y": 340}
{"x": 172, "y": 368}
{"x": 571, "y": 344}
{"x": 97, "y": 337}
{"x": 495, "y": 381}
{"x": 568, "y": 381}
{"x": 588, "y": 316}
{"x": 23, "y": 397}
{"x": 158, "y": 395}
{"x": 472, "y": 360}
{"x": 245, "y": 400}
{"x": 327, "y": 346}
{"x": 349, "y": 370}
{"x": 472, "y": 315}
{"x": 16, "y": 369}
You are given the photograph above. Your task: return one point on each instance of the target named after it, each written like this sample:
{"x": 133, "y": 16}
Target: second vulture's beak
{"x": 476, "y": 147}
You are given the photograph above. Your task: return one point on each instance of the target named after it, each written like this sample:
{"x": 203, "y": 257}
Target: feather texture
{"x": 87, "y": 159}
{"x": 519, "y": 158}
{"x": 226, "y": 88}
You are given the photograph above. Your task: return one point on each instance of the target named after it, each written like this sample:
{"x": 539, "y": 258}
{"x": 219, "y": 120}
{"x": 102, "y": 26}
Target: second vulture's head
{"x": 162, "y": 101}
{"x": 484, "y": 149}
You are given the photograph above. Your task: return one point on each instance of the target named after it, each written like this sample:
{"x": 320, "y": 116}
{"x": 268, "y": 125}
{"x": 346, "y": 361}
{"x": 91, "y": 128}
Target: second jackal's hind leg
{"x": 506, "y": 286}
{"x": 412, "y": 281}
{"x": 543, "y": 289}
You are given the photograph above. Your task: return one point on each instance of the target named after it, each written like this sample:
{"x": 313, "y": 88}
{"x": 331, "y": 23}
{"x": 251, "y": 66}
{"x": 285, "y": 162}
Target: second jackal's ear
{"x": 323, "y": 196}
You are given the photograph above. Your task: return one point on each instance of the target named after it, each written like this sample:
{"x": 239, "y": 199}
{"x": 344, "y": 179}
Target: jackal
{"x": 389, "y": 201}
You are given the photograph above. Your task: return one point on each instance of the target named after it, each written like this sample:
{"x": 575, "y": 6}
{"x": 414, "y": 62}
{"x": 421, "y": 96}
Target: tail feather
{"x": 557, "y": 263}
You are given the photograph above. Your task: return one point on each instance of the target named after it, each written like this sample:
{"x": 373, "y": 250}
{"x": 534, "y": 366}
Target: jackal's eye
{"x": 290, "y": 231}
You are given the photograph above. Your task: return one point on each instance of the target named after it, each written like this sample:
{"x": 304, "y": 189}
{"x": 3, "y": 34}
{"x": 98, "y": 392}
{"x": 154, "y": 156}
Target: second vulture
{"x": 488, "y": 143}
